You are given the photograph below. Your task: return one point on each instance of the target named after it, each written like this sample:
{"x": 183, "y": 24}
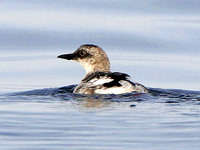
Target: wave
{"x": 157, "y": 95}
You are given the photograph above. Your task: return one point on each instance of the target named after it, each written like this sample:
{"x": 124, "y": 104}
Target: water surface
{"x": 156, "y": 42}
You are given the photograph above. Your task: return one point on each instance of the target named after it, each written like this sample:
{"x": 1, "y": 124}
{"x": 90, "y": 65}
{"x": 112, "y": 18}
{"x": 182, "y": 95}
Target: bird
{"x": 99, "y": 79}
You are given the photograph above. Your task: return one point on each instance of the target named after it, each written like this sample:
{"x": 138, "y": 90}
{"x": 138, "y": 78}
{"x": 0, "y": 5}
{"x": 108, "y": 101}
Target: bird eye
{"x": 82, "y": 53}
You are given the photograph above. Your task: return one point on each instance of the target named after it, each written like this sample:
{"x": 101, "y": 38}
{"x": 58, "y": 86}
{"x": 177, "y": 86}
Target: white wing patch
{"x": 96, "y": 86}
{"x": 100, "y": 81}
{"x": 125, "y": 88}
{"x": 113, "y": 90}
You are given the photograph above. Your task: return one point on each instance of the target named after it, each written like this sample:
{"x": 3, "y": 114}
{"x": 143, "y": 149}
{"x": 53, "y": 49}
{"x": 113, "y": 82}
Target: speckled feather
{"x": 98, "y": 78}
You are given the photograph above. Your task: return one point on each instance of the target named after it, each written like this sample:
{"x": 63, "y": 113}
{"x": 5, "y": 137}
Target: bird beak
{"x": 67, "y": 56}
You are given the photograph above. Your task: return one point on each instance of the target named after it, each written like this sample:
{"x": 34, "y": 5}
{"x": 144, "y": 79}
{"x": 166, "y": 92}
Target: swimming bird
{"x": 99, "y": 79}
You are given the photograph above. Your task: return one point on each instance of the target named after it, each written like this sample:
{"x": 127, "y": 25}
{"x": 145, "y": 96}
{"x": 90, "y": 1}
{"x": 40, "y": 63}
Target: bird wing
{"x": 108, "y": 83}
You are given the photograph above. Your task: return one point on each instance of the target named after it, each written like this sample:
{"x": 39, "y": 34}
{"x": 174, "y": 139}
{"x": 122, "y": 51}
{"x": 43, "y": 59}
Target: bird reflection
{"x": 90, "y": 102}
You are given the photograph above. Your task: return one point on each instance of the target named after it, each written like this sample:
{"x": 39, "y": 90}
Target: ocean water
{"x": 156, "y": 42}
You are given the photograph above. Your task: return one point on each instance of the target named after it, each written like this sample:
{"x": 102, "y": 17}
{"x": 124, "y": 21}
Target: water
{"x": 155, "y": 42}
{"x": 58, "y": 119}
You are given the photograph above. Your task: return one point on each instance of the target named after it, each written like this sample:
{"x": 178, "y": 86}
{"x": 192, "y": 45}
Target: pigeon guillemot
{"x": 98, "y": 78}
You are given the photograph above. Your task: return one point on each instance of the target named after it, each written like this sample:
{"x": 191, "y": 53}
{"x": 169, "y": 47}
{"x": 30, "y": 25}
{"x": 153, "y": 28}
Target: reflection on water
{"x": 95, "y": 103}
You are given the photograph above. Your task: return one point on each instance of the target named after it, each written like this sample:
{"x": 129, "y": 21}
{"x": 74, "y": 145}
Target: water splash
{"x": 155, "y": 95}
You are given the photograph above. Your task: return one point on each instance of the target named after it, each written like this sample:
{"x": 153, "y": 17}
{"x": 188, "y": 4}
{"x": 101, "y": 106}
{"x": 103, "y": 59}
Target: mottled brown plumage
{"x": 98, "y": 78}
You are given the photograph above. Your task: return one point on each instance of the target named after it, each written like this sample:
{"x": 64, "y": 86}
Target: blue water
{"x": 156, "y": 42}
